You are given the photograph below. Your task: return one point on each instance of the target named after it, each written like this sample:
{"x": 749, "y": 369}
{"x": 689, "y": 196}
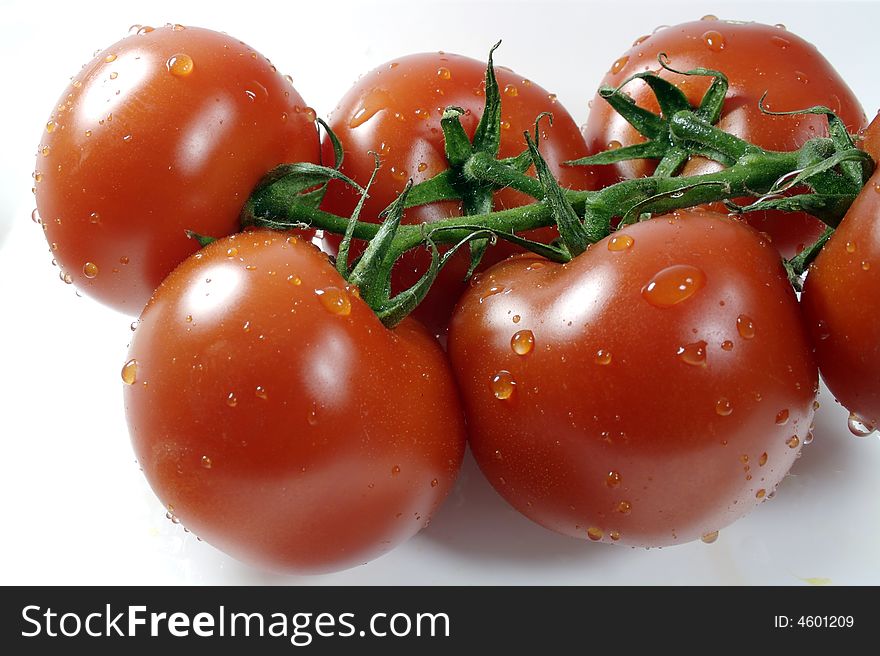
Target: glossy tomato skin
{"x": 275, "y": 416}
{"x": 607, "y": 411}
{"x": 757, "y": 59}
{"x": 395, "y": 111}
{"x": 840, "y": 300}
{"x": 164, "y": 131}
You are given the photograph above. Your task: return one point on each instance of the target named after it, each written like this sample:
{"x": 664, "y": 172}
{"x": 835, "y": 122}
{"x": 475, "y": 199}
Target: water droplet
{"x": 88, "y": 133}
{"x": 603, "y": 357}
{"x": 444, "y": 73}
{"x": 516, "y": 318}
{"x": 511, "y": 90}
{"x": 177, "y": 27}
{"x": 206, "y": 462}
{"x": 399, "y": 174}
{"x": 619, "y": 243}
{"x": 595, "y": 534}
{"x": 334, "y": 300}
{"x": 50, "y": 126}
{"x": 144, "y": 29}
{"x": 709, "y": 17}
{"x": 763, "y": 459}
{"x": 612, "y": 479}
{"x": 618, "y": 65}
{"x": 294, "y": 280}
{"x": 503, "y": 385}
{"x": 859, "y": 426}
{"x": 94, "y": 218}
{"x": 434, "y": 482}
{"x": 492, "y": 291}
{"x": 760, "y": 493}
{"x": 395, "y": 469}
{"x": 726, "y": 345}
{"x": 693, "y": 354}
{"x": 534, "y": 266}
{"x": 709, "y": 538}
{"x": 231, "y": 400}
{"x": 90, "y": 269}
{"x": 422, "y": 114}
{"x": 782, "y": 417}
{"x": 673, "y": 285}
{"x": 793, "y": 442}
{"x": 129, "y": 372}
{"x": 865, "y": 265}
{"x": 714, "y": 40}
{"x": 779, "y": 42}
{"x": 180, "y": 65}
{"x": 614, "y": 535}
{"x": 133, "y": 325}
{"x": 801, "y": 77}
{"x": 850, "y": 247}
{"x": 808, "y": 439}
{"x": 374, "y": 101}
{"x": 110, "y": 58}
{"x": 35, "y": 217}
{"x": 745, "y": 326}
{"x": 522, "y": 342}
{"x": 624, "y": 507}
{"x": 723, "y": 407}
{"x": 44, "y": 151}
{"x": 114, "y": 75}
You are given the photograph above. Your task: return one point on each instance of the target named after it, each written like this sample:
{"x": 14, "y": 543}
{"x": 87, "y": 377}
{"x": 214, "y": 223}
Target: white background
{"x": 77, "y": 510}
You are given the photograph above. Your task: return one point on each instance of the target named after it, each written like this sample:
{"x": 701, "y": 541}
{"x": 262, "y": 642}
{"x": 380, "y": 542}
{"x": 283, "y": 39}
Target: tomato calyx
{"x": 662, "y": 143}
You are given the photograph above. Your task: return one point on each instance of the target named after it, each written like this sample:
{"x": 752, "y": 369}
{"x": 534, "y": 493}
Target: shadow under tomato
{"x": 475, "y": 519}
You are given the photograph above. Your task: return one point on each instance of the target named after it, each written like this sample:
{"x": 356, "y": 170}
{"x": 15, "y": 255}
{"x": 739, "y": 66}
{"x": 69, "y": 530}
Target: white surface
{"x": 78, "y": 510}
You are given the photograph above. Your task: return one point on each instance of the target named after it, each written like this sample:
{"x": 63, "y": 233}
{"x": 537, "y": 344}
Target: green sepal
{"x": 372, "y": 274}
{"x": 345, "y": 244}
{"x": 203, "y": 240}
{"x": 572, "y": 232}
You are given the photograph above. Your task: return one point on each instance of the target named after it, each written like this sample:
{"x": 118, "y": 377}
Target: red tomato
{"x": 840, "y": 300}
{"x": 395, "y": 110}
{"x": 641, "y": 393}
{"x": 165, "y": 131}
{"x": 757, "y": 59}
{"x": 278, "y": 419}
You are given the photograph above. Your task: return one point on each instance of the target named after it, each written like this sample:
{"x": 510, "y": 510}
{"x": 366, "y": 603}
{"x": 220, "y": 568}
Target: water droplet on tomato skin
{"x": 374, "y": 101}
{"x": 312, "y": 416}
{"x": 693, "y": 354}
{"x": 595, "y": 534}
{"x": 723, "y": 407}
{"x": 714, "y": 40}
{"x": 709, "y": 538}
{"x": 782, "y": 417}
{"x": 779, "y": 42}
{"x": 395, "y": 470}
{"x": 618, "y": 65}
{"x": 335, "y": 300}
{"x": 808, "y": 439}
{"x": 613, "y": 479}
{"x": 511, "y": 90}
{"x": 522, "y": 342}
{"x": 709, "y": 17}
{"x": 65, "y": 277}
{"x": 231, "y": 400}
{"x": 90, "y": 270}
{"x": 503, "y": 385}
{"x": 726, "y": 345}
{"x": 492, "y": 291}
{"x": 793, "y": 442}
{"x": 434, "y": 482}
{"x": 673, "y": 285}
{"x": 745, "y": 326}
{"x": 206, "y": 462}
{"x": 261, "y": 393}
{"x": 603, "y": 357}
{"x": 180, "y": 65}
{"x": 129, "y": 372}
{"x": 624, "y": 507}
{"x": 763, "y": 459}
{"x": 760, "y": 493}
{"x": 850, "y": 247}
{"x": 444, "y": 73}
{"x": 619, "y": 243}
{"x": 859, "y": 426}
